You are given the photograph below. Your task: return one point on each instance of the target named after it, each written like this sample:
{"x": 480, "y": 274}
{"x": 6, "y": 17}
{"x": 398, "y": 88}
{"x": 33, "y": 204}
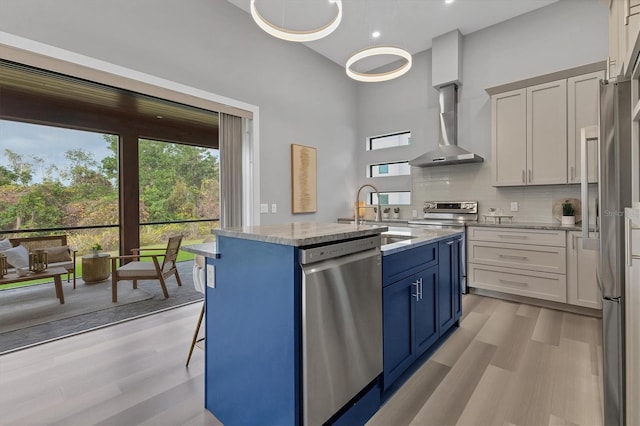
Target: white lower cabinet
{"x": 543, "y": 264}
{"x": 539, "y": 285}
{"x": 524, "y": 262}
{"x": 582, "y": 284}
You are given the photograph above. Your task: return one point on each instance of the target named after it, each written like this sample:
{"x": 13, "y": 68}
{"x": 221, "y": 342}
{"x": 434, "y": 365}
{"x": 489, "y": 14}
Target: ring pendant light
{"x": 299, "y": 36}
{"x": 383, "y": 76}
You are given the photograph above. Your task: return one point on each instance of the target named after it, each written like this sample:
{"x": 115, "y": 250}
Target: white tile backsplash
{"x": 472, "y": 182}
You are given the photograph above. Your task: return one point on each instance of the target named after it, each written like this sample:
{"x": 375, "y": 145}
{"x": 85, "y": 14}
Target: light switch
{"x": 514, "y": 206}
{"x": 211, "y": 276}
{"x": 264, "y": 208}
{"x": 274, "y": 208}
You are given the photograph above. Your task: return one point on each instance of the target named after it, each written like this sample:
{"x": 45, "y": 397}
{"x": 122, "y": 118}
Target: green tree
{"x": 20, "y": 167}
{"x": 87, "y": 180}
{"x": 171, "y": 178}
{"x": 7, "y": 176}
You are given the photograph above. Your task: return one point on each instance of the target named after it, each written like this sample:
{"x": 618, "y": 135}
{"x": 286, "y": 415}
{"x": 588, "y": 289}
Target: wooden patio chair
{"x": 138, "y": 270}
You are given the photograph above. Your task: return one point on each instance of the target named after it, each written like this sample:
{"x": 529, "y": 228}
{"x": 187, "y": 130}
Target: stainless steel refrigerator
{"x": 613, "y": 142}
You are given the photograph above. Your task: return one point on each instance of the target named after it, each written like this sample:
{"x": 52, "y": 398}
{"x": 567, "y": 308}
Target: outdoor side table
{"x": 95, "y": 267}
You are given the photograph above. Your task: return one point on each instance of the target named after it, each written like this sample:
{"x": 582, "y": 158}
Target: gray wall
{"x": 563, "y": 35}
{"x": 214, "y": 46}
{"x": 307, "y": 99}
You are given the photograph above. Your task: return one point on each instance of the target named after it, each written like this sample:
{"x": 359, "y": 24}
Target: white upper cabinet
{"x": 582, "y": 111}
{"x": 547, "y": 133}
{"x": 509, "y": 130}
{"x": 536, "y": 130}
{"x": 529, "y": 135}
{"x": 624, "y": 27}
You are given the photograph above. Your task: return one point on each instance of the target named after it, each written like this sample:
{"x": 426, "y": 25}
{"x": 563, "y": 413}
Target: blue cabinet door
{"x": 397, "y": 301}
{"x": 447, "y": 265}
{"x": 425, "y": 317}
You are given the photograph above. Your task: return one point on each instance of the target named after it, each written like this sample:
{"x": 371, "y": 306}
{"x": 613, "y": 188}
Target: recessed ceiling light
{"x": 375, "y": 34}
{"x": 159, "y": 117}
{"x": 448, "y": 1}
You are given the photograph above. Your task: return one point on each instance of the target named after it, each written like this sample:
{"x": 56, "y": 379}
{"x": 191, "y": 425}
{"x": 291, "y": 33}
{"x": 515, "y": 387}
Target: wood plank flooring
{"x": 507, "y": 364}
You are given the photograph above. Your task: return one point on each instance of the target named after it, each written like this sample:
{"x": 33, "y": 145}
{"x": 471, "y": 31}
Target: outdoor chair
{"x": 138, "y": 270}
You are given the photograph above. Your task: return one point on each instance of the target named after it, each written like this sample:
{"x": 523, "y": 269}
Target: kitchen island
{"x": 294, "y": 324}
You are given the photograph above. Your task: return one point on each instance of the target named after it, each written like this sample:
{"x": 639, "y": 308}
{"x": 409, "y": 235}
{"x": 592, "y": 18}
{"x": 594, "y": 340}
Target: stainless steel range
{"x": 450, "y": 215}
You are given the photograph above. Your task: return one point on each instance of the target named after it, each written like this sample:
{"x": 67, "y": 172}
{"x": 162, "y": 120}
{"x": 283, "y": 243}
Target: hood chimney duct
{"x": 446, "y": 74}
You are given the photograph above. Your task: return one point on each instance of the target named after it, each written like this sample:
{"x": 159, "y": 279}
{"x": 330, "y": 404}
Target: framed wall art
{"x": 304, "y": 185}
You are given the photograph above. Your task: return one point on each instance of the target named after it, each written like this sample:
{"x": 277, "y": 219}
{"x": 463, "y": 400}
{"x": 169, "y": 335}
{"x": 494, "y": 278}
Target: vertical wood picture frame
{"x": 304, "y": 182}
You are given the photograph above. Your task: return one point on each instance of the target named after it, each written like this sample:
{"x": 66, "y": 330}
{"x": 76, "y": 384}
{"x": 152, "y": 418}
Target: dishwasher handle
{"x": 330, "y": 251}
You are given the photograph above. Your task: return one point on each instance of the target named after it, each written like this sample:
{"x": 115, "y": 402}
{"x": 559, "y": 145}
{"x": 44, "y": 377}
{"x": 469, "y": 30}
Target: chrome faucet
{"x": 357, "y": 207}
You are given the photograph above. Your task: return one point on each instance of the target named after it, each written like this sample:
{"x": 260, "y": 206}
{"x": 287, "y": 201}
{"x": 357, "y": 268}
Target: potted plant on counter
{"x": 568, "y": 214}
{"x": 385, "y": 212}
{"x": 396, "y": 212}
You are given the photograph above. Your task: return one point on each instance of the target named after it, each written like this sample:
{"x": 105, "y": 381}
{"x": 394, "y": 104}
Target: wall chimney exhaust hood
{"x": 446, "y": 70}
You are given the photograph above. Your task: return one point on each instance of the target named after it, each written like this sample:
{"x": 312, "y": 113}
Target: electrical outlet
{"x": 274, "y": 208}
{"x": 514, "y": 206}
{"x": 264, "y": 208}
{"x": 211, "y": 276}
{"x": 414, "y": 213}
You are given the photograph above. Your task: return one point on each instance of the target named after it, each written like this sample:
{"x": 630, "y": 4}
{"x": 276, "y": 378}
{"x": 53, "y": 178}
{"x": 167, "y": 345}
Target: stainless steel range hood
{"x": 446, "y": 72}
{"x": 448, "y": 152}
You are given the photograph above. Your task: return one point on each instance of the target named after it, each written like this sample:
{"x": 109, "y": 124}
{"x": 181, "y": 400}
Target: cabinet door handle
{"x": 417, "y": 293}
{"x": 507, "y": 256}
{"x": 573, "y": 175}
{"x": 517, "y": 237}
{"x": 530, "y": 175}
{"x": 523, "y": 177}
{"x": 513, "y": 282}
{"x": 420, "y": 280}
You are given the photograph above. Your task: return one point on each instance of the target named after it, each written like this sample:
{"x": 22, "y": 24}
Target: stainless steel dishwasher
{"x": 341, "y": 324}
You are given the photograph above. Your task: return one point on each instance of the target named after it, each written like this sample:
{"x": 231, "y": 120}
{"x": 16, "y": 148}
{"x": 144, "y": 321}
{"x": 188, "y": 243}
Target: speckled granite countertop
{"x": 204, "y": 249}
{"x": 302, "y": 233}
{"x": 534, "y": 225}
{"x": 417, "y": 237}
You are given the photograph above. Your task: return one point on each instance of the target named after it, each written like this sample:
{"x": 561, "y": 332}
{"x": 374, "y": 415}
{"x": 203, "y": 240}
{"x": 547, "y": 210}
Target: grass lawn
{"x": 183, "y": 256}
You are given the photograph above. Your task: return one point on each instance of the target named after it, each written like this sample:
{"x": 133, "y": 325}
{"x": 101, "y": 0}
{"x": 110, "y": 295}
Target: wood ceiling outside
{"x": 77, "y": 94}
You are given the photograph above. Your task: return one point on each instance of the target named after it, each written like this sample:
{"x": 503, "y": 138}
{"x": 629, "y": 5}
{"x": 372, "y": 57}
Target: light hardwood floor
{"x": 508, "y": 364}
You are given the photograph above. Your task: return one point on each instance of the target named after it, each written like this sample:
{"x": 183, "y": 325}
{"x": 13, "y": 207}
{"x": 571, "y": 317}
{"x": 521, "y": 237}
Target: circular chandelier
{"x": 299, "y": 36}
{"x": 377, "y": 51}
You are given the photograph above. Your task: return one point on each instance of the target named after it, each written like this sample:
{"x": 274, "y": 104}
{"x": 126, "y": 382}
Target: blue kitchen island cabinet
{"x": 421, "y": 302}
{"x": 255, "y": 326}
{"x": 449, "y": 281}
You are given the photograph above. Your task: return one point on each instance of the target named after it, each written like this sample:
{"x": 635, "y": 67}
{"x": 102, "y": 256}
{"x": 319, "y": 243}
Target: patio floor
{"x": 178, "y": 296}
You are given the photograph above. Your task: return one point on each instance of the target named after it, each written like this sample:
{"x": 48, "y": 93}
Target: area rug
{"x": 29, "y": 306}
{"x": 116, "y": 313}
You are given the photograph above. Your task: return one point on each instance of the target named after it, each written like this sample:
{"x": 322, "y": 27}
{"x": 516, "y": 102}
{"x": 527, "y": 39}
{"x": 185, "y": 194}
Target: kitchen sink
{"x": 389, "y": 239}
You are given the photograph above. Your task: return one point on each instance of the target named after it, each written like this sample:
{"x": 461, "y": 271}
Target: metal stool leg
{"x": 195, "y": 335}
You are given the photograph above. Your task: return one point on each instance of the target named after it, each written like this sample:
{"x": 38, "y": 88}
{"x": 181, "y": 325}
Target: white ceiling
{"x": 410, "y": 24}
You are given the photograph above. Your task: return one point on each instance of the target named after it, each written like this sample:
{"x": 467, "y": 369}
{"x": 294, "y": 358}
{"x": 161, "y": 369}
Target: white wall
{"x": 566, "y": 34}
{"x": 214, "y": 46}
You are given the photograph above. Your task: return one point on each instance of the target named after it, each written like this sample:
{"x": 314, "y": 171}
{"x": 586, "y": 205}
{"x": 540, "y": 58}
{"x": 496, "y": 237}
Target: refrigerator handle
{"x": 587, "y": 134}
{"x": 627, "y": 245}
